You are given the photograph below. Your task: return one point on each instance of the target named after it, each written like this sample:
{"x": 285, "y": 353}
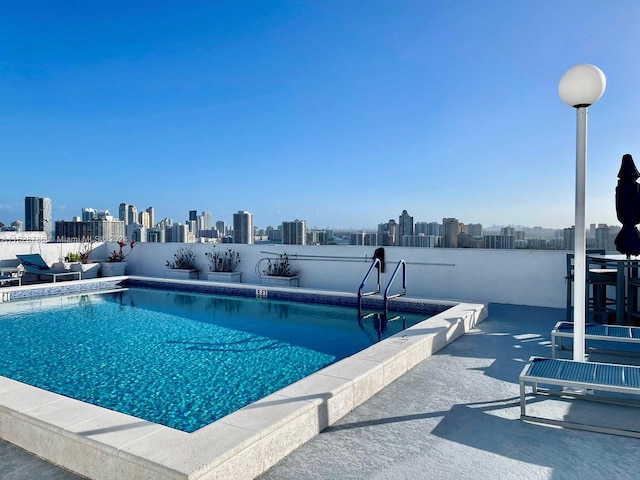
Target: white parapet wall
{"x": 520, "y": 277}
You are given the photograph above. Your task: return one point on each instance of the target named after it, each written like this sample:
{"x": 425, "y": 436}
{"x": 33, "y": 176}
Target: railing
{"x": 319, "y": 258}
{"x": 376, "y": 262}
{"x": 295, "y": 257}
{"x": 393, "y": 277}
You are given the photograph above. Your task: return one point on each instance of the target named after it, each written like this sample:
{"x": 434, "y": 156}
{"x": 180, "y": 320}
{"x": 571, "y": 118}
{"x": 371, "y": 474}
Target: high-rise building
{"x": 451, "y": 229}
{"x": 499, "y": 242}
{"x": 274, "y": 234}
{"x": 393, "y": 232}
{"x": 243, "y": 227}
{"x": 294, "y": 233}
{"x": 388, "y": 233}
{"x": 405, "y": 225}
{"x": 604, "y": 237}
{"x": 200, "y": 224}
{"x": 89, "y": 214}
{"x": 474, "y": 229}
{"x": 165, "y": 222}
{"x": 151, "y": 212}
{"x": 434, "y": 228}
{"x": 104, "y": 229}
{"x": 139, "y": 233}
{"x": 206, "y": 221}
{"x": 319, "y": 237}
{"x": 364, "y": 238}
{"x": 145, "y": 219}
{"x": 132, "y": 215}
{"x": 110, "y": 230}
{"x": 424, "y": 241}
{"x": 537, "y": 243}
{"x": 156, "y": 235}
{"x": 221, "y": 228}
{"x": 37, "y": 215}
{"x": 421, "y": 228}
{"x": 556, "y": 243}
{"x": 192, "y": 222}
{"x": 123, "y": 213}
{"x": 569, "y": 236}
{"x": 179, "y": 233}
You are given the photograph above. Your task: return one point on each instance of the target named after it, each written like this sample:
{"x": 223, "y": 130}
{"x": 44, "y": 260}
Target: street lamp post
{"x": 580, "y": 87}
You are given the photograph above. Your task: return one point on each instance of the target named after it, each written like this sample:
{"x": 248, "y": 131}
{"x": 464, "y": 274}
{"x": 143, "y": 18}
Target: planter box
{"x": 89, "y": 270}
{"x": 113, "y": 269}
{"x": 280, "y": 281}
{"x": 226, "y": 277}
{"x": 182, "y": 273}
{"x": 63, "y": 265}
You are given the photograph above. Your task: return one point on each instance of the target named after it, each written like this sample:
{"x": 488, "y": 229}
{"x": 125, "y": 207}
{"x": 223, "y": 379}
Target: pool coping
{"x": 102, "y": 444}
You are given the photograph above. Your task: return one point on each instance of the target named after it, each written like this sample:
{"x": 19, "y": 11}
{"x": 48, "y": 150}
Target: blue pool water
{"x": 181, "y": 360}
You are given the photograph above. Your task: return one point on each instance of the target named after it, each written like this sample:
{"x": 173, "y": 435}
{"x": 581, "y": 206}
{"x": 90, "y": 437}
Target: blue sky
{"x": 341, "y": 113}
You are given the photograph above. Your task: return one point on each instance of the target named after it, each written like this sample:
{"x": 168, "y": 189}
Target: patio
{"x": 455, "y": 415}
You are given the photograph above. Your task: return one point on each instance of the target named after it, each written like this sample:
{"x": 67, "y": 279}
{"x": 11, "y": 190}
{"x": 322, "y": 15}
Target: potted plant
{"x": 280, "y": 272}
{"x": 72, "y": 257}
{"x": 183, "y": 265}
{"x": 115, "y": 264}
{"x": 223, "y": 265}
{"x": 66, "y": 261}
{"x": 88, "y": 268}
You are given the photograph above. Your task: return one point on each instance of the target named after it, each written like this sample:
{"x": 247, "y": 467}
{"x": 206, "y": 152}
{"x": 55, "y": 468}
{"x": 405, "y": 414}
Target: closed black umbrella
{"x": 628, "y": 207}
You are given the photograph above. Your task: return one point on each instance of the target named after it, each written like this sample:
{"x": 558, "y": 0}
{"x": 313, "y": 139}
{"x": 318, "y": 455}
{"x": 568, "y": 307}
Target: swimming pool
{"x": 178, "y": 359}
{"x": 101, "y": 443}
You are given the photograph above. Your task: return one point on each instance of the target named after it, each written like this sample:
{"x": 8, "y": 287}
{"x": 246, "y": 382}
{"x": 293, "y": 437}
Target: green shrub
{"x": 184, "y": 258}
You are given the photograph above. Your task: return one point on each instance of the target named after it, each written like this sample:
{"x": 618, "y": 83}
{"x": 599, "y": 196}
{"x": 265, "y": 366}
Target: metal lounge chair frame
{"x": 34, "y": 264}
{"x": 585, "y": 376}
{"x": 10, "y": 278}
{"x": 609, "y": 333}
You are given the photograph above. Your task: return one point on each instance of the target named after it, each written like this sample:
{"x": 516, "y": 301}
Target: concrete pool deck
{"x": 103, "y": 444}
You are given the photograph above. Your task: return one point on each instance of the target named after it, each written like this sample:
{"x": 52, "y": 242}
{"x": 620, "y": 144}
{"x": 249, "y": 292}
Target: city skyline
{"x": 99, "y": 225}
{"x": 31, "y": 205}
{"x": 337, "y": 113}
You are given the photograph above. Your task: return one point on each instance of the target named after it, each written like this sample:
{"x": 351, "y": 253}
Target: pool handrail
{"x": 376, "y": 262}
{"x": 393, "y": 277}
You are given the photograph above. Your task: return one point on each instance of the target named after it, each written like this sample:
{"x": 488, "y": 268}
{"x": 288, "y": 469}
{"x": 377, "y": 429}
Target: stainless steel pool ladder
{"x": 376, "y": 262}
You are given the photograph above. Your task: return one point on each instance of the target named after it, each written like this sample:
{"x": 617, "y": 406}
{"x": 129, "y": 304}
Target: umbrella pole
{"x": 631, "y": 272}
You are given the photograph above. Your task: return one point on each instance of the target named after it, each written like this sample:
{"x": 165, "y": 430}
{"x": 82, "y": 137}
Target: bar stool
{"x": 633, "y": 310}
{"x": 599, "y": 305}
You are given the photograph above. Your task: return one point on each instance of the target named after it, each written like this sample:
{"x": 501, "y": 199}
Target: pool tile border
{"x": 40, "y": 290}
{"x": 102, "y": 444}
{"x": 404, "y": 304}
